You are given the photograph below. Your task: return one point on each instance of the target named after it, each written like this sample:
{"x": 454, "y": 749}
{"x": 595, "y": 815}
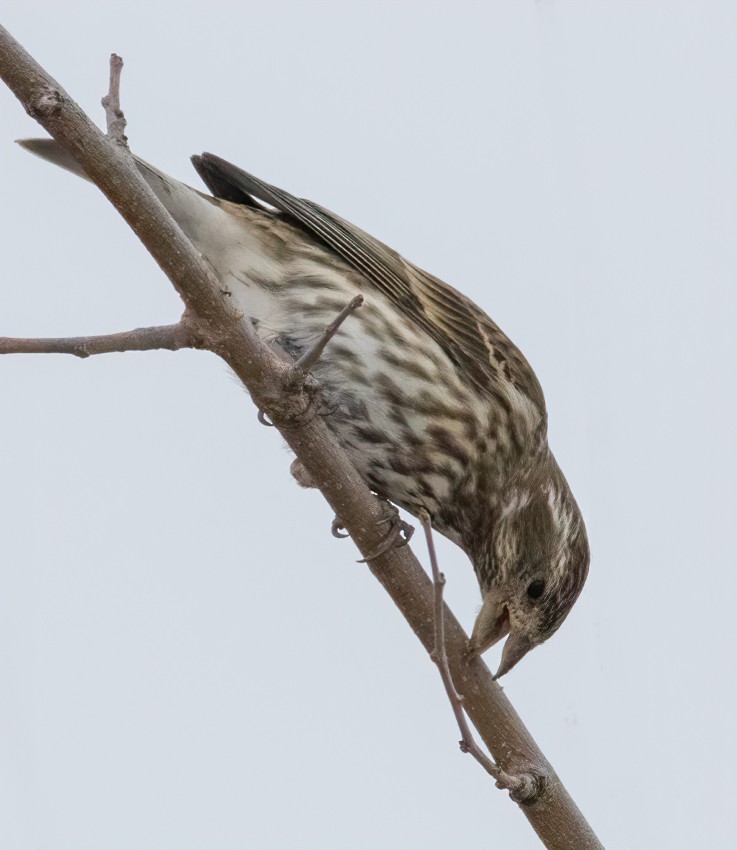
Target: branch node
{"x": 524, "y": 788}
{"x": 45, "y": 102}
{"x": 111, "y": 104}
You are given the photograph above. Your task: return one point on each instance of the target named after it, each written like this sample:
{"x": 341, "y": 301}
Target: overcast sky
{"x": 188, "y": 659}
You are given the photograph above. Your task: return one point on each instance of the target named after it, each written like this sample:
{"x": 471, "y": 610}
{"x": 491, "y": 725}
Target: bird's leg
{"x": 399, "y": 534}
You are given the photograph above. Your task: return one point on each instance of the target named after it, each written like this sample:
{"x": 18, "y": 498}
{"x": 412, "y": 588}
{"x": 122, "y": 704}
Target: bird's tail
{"x": 202, "y": 219}
{"x": 210, "y": 223}
{"x": 52, "y": 151}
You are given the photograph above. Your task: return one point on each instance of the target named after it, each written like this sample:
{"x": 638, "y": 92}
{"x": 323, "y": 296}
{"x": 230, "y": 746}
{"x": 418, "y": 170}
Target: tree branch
{"x": 552, "y": 813}
{"x": 170, "y": 337}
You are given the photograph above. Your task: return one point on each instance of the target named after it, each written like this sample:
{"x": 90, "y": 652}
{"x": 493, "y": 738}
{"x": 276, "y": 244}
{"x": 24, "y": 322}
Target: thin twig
{"x": 170, "y": 337}
{"x": 295, "y": 377}
{"x": 309, "y": 358}
{"x": 111, "y": 103}
{"x": 519, "y": 786}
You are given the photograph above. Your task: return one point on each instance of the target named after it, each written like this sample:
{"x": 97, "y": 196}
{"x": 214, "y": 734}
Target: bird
{"x": 438, "y": 410}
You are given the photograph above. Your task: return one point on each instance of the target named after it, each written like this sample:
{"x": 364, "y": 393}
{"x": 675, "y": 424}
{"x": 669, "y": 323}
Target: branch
{"x": 170, "y": 337}
{"x": 553, "y": 814}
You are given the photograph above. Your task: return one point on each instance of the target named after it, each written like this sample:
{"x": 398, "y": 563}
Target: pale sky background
{"x": 188, "y": 659}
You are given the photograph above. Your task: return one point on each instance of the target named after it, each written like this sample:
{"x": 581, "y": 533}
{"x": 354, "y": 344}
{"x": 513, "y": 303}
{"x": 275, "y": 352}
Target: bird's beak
{"x": 516, "y": 647}
{"x": 492, "y": 624}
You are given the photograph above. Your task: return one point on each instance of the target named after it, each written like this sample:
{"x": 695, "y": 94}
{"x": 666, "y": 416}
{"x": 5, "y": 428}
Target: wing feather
{"x": 473, "y": 342}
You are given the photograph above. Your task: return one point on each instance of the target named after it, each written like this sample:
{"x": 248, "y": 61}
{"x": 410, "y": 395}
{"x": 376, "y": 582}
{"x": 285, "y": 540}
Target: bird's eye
{"x": 536, "y": 588}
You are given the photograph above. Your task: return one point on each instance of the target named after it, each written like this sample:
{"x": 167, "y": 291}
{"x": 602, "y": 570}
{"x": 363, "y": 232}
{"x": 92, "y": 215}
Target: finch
{"x": 435, "y": 406}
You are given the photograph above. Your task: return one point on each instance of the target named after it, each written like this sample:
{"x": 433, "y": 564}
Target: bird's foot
{"x": 399, "y": 534}
{"x": 301, "y": 475}
{"x": 337, "y": 529}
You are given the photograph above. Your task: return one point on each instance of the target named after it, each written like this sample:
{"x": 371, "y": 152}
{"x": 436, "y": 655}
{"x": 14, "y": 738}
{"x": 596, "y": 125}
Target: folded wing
{"x": 474, "y": 344}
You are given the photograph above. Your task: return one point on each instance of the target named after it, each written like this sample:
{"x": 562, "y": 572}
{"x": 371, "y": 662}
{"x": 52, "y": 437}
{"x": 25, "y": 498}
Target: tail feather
{"x": 52, "y": 151}
{"x": 226, "y": 239}
{"x": 187, "y": 205}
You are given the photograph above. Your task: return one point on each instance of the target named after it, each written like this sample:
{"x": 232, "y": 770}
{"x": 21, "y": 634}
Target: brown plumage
{"x": 434, "y": 404}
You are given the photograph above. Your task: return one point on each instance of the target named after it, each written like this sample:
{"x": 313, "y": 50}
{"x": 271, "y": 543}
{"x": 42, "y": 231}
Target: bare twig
{"x": 521, "y": 786}
{"x": 170, "y": 337}
{"x": 309, "y": 358}
{"x": 553, "y": 814}
{"x": 111, "y": 103}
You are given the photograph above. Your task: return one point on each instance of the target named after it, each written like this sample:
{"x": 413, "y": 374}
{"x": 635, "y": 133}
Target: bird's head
{"x": 536, "y": 567}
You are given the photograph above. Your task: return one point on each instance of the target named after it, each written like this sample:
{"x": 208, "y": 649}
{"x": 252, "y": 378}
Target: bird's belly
{"x": 389, "y": 393}
{"x": 417, "y": 430}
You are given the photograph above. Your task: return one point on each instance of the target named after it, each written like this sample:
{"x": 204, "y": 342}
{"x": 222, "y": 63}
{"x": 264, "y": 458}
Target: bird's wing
{"x": 475, "y": 345}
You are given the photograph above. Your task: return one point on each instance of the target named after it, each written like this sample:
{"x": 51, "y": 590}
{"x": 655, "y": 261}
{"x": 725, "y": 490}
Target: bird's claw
{"x": 335, "y": 528}
{"x": 264, "y": 419}
{"x": 400, "y": 533}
